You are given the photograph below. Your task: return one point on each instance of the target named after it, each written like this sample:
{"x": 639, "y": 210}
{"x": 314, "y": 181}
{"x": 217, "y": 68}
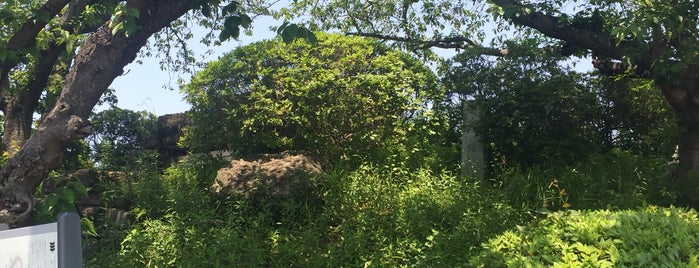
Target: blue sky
{"x": 141, "y": 88}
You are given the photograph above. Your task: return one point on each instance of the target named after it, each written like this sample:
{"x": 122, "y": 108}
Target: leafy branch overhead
{"x": 58, "y": 58}
{"x": 292, "y": 31}
{"x": 234, "y": 19}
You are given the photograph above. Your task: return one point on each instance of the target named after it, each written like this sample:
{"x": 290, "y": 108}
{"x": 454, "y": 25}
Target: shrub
{"x": 197, "y": 230}
{"x": 341, "y": 97}
{"x": 651, "y": 237}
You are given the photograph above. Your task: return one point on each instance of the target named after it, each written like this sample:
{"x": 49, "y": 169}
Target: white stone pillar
{"x": 472, "y": 154}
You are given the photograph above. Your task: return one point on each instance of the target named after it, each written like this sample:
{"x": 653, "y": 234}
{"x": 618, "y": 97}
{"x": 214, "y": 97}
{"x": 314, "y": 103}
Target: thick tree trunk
{"x": 99, "y": 61}
{"x": 19, "y": 109}
{"x": 17, "y": 126}
{"x": 688, "y": 170}
{"x": 683, "y": 96}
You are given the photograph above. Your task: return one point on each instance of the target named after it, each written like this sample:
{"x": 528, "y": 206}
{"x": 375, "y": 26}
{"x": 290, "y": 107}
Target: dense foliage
{"x": 120, "y": 136}
{"x": 618, "y": 179}
{"x": 367, "y": 217}
{"x": 558, "y": 140}
{"x": 650, "y": 39}
{"x": 536, "y": 111}
{"x": 375, "y": 216}
{"x": 532, "y": 110}
{"x": 579, "y": 162}
{"x": 344, "y": 96}
{"x": 655, "y": 237}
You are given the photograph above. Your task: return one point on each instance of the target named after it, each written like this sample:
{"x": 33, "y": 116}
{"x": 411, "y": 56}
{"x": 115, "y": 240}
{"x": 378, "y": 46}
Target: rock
{"x": 88, "y": 178}
{"x": 89, "y": 212}
{"x": 120, "y": 217}
{"x": 170, "y": 130}
{"x": 165, "y": 139}
{"x": 276, "y": 176}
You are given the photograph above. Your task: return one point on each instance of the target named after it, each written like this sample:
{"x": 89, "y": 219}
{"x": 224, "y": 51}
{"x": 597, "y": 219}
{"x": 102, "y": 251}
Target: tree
{"x": 342, "y": 97}
{"x": 536, "y": 113}
{"x": 636, "y": 116}
{"x": 652, "y": 39}
{"x": 58, "y": 57}
{"x": 119, "y": 136}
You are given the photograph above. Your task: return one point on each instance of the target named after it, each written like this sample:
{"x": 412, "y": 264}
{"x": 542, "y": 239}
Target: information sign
{"x": 50, "y": 245}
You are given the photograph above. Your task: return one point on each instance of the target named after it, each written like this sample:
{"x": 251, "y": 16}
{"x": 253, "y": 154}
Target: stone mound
{"x": 275, "y": 175}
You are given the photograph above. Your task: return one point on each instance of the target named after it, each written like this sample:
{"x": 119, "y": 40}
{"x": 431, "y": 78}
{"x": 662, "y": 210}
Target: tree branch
{"x": 74, "y": 9}
{"x": 26, "y": 35}
{"x": 457, "y": 42}
{"x": 99, "y": 61}
{"x": 601, "y": 43}
{"x": 44, "y": 68}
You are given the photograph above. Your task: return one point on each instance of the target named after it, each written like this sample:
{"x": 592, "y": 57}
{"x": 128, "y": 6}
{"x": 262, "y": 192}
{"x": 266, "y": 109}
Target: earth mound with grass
{"x": 272, "y": 175}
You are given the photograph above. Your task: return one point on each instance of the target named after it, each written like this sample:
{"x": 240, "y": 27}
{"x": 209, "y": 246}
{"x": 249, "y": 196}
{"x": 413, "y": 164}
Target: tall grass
{"x": 618, "y": 180}
{"x": 367, "y": 217}
{"x": 372, "y": 216}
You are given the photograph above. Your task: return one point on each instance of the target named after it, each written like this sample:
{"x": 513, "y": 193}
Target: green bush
{"x": 189, "y": 228}
{"x": 63, "y": 197}
{"x": 342, "y": 97}
{"x": 138, "y": 189}
{"x": 651, "y": 237}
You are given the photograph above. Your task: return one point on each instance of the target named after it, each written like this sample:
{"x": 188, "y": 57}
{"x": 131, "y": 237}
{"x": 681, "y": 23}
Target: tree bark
{"x": 683, "y": 96}
{"x": 19, "y": 109}
{"x": 99, "y": 61}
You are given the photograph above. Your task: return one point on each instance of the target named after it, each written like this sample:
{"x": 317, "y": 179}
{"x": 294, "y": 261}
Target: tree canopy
{"x": 656, "y": 40}
{"x": 119, "y": 135}
{"x": 536, "y": 111}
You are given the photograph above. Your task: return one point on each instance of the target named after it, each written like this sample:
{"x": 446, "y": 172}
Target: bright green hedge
{"x": 652, "y": 237}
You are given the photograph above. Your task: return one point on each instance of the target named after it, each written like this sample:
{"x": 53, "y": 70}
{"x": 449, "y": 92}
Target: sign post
{"x": 56, "y": 244}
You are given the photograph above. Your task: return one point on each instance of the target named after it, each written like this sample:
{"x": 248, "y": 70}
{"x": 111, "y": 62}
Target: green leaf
{"x": 245, "y": 20}
{"x": 312, "y": 37}
{"x": 292, "y": 31}
{"x": 118, "y": 27}
{"x": 88, "y": 226}
{"x": 230, "y": 27}
{"x": 206, "y": 10}
{"x": 289, "y": 33}
{"x": 231, "y": 8}
{"x": 282, "y": 27}
{"x": 133, "y": 12}
{"x": 51, "y": 201}
{"x": 542, "y": 211}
